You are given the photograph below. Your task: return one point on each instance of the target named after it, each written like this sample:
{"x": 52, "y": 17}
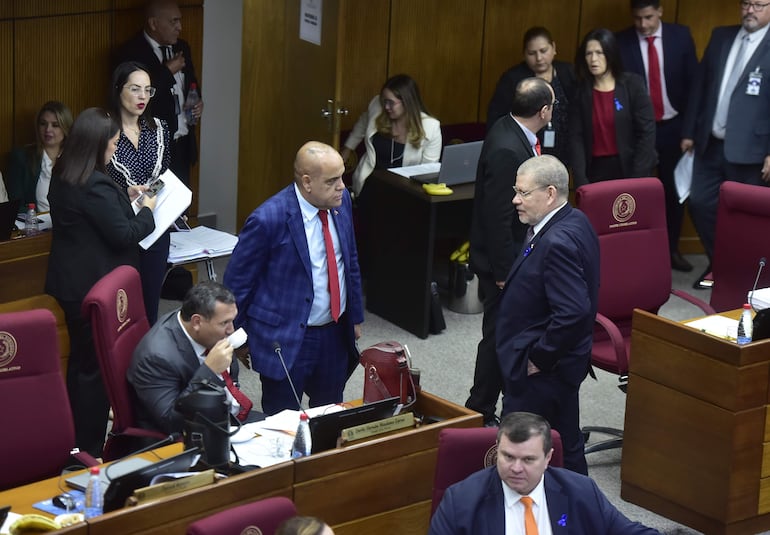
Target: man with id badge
{"x": 728, "y": 121}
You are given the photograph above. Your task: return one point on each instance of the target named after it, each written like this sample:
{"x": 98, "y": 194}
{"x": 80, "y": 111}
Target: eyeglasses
{"x": 525, "y": 194}
{"x": 755, "y": 6}
{"x": 388, "y": 103}
{"x": 138, "y": 90}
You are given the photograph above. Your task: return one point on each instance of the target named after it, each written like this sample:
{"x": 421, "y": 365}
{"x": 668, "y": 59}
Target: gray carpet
{"x": 447, "y": 361}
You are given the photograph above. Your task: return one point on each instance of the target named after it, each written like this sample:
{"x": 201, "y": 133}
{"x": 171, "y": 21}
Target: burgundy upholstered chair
{"x": 629, "y": 218}
{"x": 263, "y": 516}
{"x": 38, "y": 433}
{"x": 463, "y": 451}
{"x": 742, "y": 238}
{"x": 118, "y": 320}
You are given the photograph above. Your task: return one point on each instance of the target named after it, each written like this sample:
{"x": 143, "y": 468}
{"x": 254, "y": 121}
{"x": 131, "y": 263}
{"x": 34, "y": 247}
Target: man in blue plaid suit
{"x": 279, "y": 274}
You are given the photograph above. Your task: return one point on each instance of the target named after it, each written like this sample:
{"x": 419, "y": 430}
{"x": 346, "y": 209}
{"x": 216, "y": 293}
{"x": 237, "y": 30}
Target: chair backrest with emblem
{"x": 257, "y": 518}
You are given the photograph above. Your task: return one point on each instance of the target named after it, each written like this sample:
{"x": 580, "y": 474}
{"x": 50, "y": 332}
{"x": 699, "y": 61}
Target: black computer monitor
{"x": 327, "y": 428}
{"x": 122, "y": 487}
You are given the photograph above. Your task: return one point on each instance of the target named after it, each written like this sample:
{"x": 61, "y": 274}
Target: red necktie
{"x": 653, "y": 76}
{"x": 242, "y": 399}
{"x": 530, "y": 526}
{"x": 537, "y": 147}
{"x": 331, "y": 262}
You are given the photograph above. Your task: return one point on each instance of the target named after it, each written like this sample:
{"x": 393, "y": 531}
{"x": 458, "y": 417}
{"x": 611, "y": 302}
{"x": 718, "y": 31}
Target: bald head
{"x": 318, "y": 170}
{"x": 163, "y": 21}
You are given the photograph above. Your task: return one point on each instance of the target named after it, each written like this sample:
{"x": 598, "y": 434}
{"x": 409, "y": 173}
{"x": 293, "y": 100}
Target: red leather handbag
{"x": 387, "y": 374}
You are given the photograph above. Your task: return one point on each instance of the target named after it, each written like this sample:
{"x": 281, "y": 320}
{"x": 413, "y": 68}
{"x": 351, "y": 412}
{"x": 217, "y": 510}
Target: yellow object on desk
{"x": 437, "y": 189}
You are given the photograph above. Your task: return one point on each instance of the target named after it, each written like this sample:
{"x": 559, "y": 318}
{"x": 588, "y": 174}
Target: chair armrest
{"x": 139, "y": 432}
{"x": 704, "y": 306}
{"x": 84, "y": 458}
{"x": 617, "y": 340}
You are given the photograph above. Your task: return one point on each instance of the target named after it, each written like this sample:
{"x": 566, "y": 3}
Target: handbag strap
{"x": 374, "y": 377}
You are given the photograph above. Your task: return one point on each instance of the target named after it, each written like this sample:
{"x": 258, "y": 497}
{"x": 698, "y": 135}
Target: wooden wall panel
{"x": 47, "y": 8}
{"x": 261, "y": 66}
{"x": 439, "y": 43}
{"x": 611, "y": 14}
{"x": 363, "y": 64}
{"x": 505, "y": 23}
{"x": 704, "y": 15}
{"x": 46, "y": 69}
{"x": 6, "y": 91}
{"x": 6, "y": 10}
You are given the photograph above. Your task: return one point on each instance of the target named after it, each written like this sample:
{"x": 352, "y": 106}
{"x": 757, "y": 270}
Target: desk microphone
{"x": 277, "y": 349}
{"x": 173, "y": 437}
{"x": 762, "y": 262}
{"x": 761, "y": 323}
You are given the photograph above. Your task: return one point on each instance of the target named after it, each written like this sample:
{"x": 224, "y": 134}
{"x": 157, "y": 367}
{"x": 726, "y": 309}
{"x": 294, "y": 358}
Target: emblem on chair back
{"x": 251, "y": 530}
{"x": 121, "y": 306}
{"x": 7, "y": 349}
{"x": 490, "y": 457}
{"x": 624, "y": 207}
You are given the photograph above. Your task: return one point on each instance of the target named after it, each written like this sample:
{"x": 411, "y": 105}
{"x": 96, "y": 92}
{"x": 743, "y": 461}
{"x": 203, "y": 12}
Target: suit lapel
{"x": 297, "y": 228}
{"x": 723, "y": 53}
{"x": 530, "y": 247}
{"x": 756, "y": 58}
{"x": 558, "y": 505}
{"x": 182, "y": 343}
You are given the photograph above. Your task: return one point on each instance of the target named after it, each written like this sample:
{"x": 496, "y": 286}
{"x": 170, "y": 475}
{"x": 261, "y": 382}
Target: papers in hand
{"x": 173, "y": 200}
{"x": 683, "y": 176}
{"x": 199, "y": 243}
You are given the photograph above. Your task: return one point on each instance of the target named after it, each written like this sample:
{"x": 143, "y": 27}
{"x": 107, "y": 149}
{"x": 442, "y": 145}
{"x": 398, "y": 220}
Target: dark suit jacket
{"x": 549, "y": 302}
{"x": 23, "y": 174}
{"x": 576, "y": 506}
{"x": 162, "y": 104}
{"x": 163, "y": 368}
{"x": 94, "y": 231}
{"x": 270, "y": 275}
{"x": 679, "y": 60}
{"x": 496, "y": 233}
{"x": 747, "y": 137}
{"x": 634, "y": 129}
{"x": 502, "y": 99}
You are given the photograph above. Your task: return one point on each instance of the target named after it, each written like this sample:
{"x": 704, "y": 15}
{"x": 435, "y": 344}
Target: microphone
{"x": 762, "y": 262}
{"x": 173, "y": 437}
{"x": 277, "y": 349}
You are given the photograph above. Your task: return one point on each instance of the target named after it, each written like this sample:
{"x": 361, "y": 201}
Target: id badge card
{"x": 549, "y": 137}
{"x": 755, "y": 83}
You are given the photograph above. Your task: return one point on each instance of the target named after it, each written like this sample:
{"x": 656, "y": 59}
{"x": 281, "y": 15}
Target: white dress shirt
{"x": 668, "y": 109}
{"x": 514, "y": 510}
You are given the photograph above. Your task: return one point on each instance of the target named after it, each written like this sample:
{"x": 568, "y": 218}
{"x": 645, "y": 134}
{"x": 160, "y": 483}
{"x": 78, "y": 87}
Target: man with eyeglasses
{"x": 727, "y": 123}
{"x": 496, "y": 233}
{"x": 169, "y": 62}
{"x": 548, "y": 305}
{"x": 664, "y": 55}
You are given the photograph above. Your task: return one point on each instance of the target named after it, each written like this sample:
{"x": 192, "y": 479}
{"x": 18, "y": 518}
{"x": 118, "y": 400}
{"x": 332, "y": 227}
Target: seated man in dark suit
{"x": 183, "y": 348}
{"x": 522, "y": 492}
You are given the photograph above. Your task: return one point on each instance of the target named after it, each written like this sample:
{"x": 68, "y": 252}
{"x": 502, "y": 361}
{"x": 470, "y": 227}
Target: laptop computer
{"x": 113, "y": 471}
{"x": 458, "y": 165}
{"x": 8, "y": 211}
{"x": 327, "y": 428}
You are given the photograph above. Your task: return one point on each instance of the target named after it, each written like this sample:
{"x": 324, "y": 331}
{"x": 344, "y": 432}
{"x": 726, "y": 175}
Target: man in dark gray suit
{"x": 496, "y": 233}
{"x": 728, "y": 119}
{"x": 187, "y": 346}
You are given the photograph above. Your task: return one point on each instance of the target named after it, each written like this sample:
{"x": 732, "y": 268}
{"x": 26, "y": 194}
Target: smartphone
{"x": 154, "y": 187}
{"x": 181, "y": 224}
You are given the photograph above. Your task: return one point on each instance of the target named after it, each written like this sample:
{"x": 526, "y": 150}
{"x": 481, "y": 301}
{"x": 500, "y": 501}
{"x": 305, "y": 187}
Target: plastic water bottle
{"x": 94, "y": 498}
{"x": 31, "y": 227}
{"x": 303, "y": 444}
{"x": 745, "y": 325}
{"x": 192, "y": 100}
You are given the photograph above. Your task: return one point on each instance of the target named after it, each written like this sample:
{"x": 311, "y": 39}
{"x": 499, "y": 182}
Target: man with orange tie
{"x": 524, "y": 496}
{"x": 184, "y": 348}
{"x": 297, "y": 283}
{"x": 664, "y": 54}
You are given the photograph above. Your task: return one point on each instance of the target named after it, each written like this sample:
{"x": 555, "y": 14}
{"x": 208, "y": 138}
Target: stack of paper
{"x": 759, "y": 299}
{"x": 199, "y": 243}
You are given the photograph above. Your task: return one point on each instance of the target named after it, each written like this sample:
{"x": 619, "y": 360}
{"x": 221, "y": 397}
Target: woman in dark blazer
{"x": 612, "y": 123}
{"x": 539, "y": 52}
{"x": 94, "y": 231}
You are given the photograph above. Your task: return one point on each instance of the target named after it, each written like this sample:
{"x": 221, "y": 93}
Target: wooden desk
{"x": 381, "y": 486}
{"x": 696, "y": 444}
{"x": 23, "y": 265}
{"x": 402, "y": 225}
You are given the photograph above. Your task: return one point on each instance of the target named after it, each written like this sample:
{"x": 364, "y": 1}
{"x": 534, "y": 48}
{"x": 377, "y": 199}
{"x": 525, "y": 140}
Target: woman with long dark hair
{"x": 612, "y": 123}
{"x": 143, "y": 154}
{"x": 94, "y": 231}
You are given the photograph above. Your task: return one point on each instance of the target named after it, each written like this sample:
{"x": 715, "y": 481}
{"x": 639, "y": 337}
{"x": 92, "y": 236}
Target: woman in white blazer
{"x": 396, "y": 129}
